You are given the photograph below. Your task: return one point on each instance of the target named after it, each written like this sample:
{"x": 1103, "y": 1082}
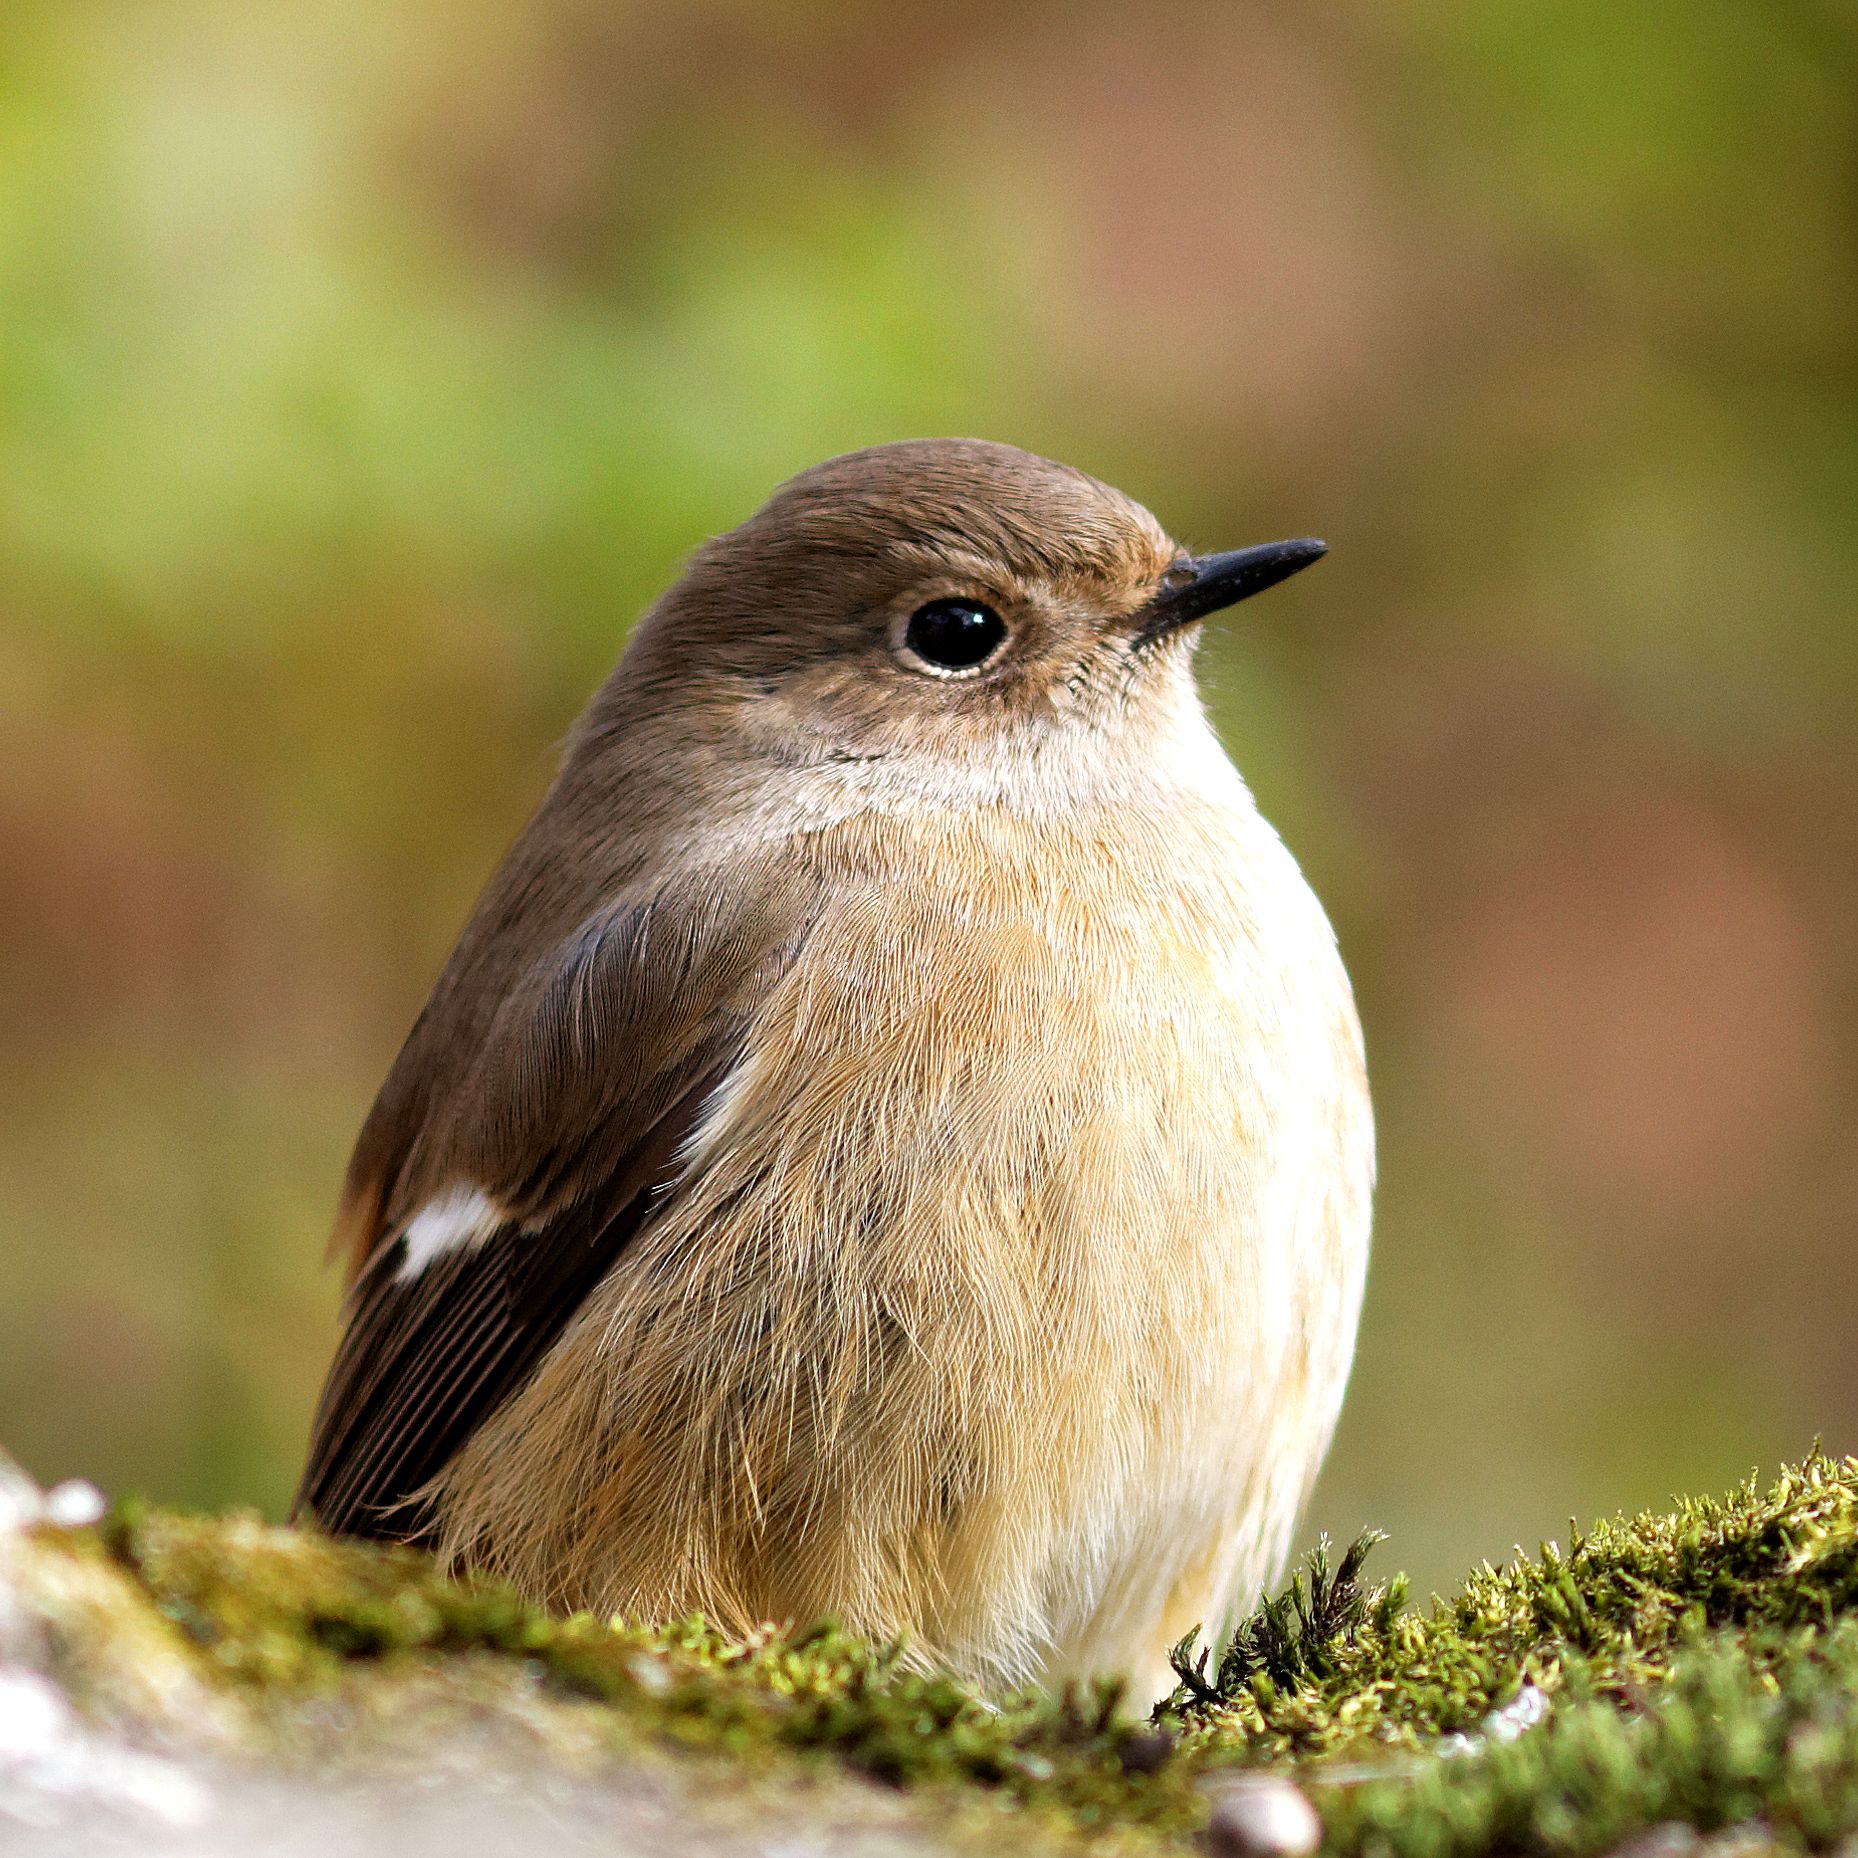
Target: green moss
{"x": 1700, "y": 1666}
{"x": 1759, "y": 1732}
{"x": 1617, "y": 1604}
{"x": 276, "y": 1616}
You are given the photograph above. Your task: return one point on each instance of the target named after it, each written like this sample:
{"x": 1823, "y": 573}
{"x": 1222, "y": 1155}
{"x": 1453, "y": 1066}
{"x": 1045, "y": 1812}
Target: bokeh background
{"x": 366, "y": 365}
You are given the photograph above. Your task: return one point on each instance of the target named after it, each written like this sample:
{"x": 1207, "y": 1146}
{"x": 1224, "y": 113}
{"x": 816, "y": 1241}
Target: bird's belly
{"x": 1114, "y": 1172}
{"x": 1197, "y": 1265}
{"x": 1007, "y": 1300}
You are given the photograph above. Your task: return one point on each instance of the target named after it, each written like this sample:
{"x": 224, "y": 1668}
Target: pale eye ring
{"x": 955, "y": 635}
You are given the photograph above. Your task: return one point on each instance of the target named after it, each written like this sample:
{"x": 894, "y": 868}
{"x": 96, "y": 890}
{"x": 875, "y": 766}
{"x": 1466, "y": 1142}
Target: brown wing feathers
{"x": 429, "y": 1357}
{"x": 573, "y": 1122}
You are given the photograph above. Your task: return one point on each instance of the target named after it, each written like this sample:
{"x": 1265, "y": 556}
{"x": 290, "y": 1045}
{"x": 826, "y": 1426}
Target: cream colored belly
{"x": 1008, "y": 1304}
{"x": 1208, "y": 1231}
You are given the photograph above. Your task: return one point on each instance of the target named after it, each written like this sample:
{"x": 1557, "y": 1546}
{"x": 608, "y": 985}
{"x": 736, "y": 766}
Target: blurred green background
{"x": 366, "y": 365}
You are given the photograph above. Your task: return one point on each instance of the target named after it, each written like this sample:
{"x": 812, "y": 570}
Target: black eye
{"x": 955, "y": 635}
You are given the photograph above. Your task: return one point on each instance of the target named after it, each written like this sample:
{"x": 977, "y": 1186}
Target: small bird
{"x": 893, "y": 1141}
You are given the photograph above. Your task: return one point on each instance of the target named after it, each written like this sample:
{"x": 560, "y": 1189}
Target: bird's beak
{"x": 1202, "y": 584}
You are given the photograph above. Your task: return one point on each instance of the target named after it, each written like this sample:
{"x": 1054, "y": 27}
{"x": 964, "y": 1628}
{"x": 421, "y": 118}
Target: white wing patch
{"x": 461, "y": 1217}
{"x": 719, "y": 1108}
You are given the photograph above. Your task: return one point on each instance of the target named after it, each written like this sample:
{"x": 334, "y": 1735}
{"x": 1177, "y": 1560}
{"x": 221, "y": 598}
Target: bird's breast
{"x": 1044, "y": 1093}
{"x": 1079, "y": 1114}
{"x": 1005, "y": 1293}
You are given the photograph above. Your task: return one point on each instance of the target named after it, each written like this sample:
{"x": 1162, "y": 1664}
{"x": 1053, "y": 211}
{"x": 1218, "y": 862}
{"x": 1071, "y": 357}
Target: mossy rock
{"x": 1658, "y": 1680}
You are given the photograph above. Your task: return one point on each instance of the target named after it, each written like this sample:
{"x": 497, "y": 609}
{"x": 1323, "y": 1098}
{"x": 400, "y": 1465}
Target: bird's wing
{"x": 510, "y": 1191}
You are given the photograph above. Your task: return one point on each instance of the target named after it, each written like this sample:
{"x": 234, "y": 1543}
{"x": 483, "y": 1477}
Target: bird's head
{"x": 941, "y": 606}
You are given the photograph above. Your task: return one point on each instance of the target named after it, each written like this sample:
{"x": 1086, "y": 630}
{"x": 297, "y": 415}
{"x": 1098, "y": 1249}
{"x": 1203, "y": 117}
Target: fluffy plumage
{"x": 887, "y": 1145}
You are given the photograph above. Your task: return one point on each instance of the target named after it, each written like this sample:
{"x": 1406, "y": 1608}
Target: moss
{"x": 1617, "y": 1604}
{"x": 1700, "y": 1666}
{"x": 274, "y": 1617}
{"x": 1759, "y": 1732}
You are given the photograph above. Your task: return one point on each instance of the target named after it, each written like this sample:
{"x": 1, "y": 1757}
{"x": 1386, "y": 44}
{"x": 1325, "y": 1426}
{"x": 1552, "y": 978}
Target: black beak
{"x": 1202, "y": 584}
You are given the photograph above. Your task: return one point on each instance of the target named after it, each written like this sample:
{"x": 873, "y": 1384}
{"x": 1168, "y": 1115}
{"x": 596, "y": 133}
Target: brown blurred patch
{"x": 1217, "y": 213}
{"x": 114, "y": 900}
{"x": 559, "y": 131}
{"x": 1626, "y": 976}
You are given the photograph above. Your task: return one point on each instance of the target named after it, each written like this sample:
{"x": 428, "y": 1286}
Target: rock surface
{"x": 111, "y": 1742}
{"x": 207, "y": 1685}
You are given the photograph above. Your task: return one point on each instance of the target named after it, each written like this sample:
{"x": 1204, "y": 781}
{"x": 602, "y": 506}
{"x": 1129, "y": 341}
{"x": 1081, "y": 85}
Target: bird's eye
{"x": 955, "y": 635}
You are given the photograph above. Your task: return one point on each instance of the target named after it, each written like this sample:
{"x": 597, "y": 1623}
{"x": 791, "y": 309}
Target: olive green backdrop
{"x": 365, "y": 365}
